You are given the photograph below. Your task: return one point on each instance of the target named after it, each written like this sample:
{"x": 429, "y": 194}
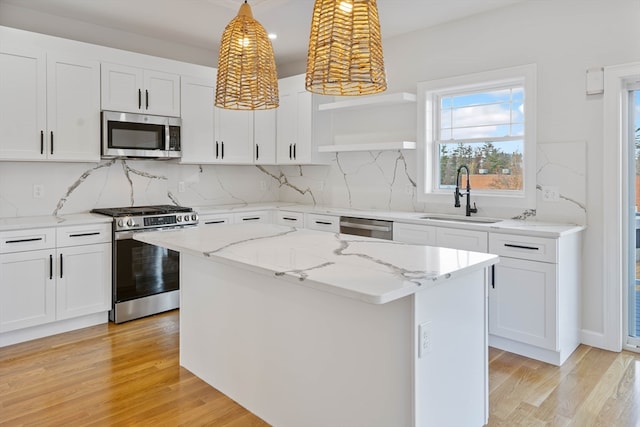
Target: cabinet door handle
{"x": 139, "y": 99}
{"x": 222, "y": 150}
{"x": 61, "y": 266}
{"x": 32, "y": 239}
{"x": 294, "y": 151}
{"x": 95, "y": 233}
{"x": 51, "y": 142}
{"x": 257, "y": 152}
{"x": 41, "y": 142}
{"x": 216, "y": 149}
{"x": 146, "y": 98}
{"x": 493, "y": 276}
{"x": 50, "y": 267}
{"x": 531, "y": 248}
{"x": 290, "y": 147}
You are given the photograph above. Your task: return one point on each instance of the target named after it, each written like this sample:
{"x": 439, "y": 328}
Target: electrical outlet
{"x": 550, "y": 193}
{"x": 181, "y": 187}
{"x": 38, "y": 191}
{"x": 425, "y": 345}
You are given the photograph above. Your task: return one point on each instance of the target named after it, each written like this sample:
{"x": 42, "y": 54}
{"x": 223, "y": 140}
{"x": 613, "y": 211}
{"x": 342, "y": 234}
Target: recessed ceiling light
{"x": 272, "y": 36}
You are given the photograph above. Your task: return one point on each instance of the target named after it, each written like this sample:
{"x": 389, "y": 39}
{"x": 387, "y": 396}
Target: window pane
{"x": 492, "y": 165}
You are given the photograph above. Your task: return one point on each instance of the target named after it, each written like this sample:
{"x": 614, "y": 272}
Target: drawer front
{"x": 257, "y": 216}
{"x": 27, "y": 240}
{"x": 524, "y": 247}
{"x": 290, "y": 219}
{"x": 323, "y": 223}
{"x": 414, "y": 233}
{"x": 215, "y": 219}
{"x": 83, "y": 235}
{"x": 467, "y": 240}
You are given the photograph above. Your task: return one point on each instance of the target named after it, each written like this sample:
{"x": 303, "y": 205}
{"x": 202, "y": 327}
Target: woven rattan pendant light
{"x": 345, "y": 49}
{"x": 247, "y": 78}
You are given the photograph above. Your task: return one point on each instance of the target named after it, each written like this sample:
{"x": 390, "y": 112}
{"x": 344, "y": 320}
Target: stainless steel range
{"x": 146, "y": 278}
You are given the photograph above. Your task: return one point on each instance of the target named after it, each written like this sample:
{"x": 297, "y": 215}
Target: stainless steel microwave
{"x": 140, "y": 135}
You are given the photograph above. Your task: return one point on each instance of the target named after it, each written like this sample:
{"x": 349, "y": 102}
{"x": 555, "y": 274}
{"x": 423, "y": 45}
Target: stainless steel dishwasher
{"x": 377, "y": 228}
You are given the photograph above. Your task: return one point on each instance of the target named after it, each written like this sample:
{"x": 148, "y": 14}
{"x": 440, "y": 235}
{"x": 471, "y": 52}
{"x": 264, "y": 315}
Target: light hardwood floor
{"x": 128, "y": 374}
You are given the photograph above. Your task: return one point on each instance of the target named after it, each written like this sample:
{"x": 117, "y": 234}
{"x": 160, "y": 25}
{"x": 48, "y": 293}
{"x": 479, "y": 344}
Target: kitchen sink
{"x": 466, "y": 219}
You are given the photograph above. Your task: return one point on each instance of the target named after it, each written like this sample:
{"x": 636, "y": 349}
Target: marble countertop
{"x": 507, "y": 226}
{"x": 43, "y": 221}
{"x": 372, "y": 270}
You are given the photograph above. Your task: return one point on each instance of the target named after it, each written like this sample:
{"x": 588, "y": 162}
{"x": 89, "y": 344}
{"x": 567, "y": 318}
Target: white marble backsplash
{"x": 379, "y": 180}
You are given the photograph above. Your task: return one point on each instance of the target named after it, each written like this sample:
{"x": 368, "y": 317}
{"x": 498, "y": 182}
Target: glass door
{"x": 634, "y": 215}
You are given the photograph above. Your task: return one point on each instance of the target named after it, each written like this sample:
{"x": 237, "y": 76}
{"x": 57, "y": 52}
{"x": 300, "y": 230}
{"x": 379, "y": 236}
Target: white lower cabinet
{"x": 322, "y": 222}
{"x": 27, "y": 289}
{"x": 290, "y": 219}
{"x": 215, "y": 219}
{"x": 534, "y": 297}
{"x": 254, "y": 216}
{"x": 522, "y": 302}
{"x": 454, "y": 238}
{"x": 63, "y": 281}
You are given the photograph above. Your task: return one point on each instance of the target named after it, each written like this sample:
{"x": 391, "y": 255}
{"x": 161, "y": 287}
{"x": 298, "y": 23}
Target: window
{"x": 485, "y": 121}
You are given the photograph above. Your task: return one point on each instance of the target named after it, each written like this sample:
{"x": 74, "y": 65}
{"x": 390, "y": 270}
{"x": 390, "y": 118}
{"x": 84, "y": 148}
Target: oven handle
{"x": 128, "y": 234}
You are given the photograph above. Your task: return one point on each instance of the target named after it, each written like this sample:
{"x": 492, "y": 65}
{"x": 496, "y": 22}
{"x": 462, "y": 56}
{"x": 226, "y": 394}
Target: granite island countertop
{"x": 372, "y": 270}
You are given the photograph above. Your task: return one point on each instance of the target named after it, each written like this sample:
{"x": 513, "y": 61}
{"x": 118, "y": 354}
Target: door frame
{"x": 616, "y": 202}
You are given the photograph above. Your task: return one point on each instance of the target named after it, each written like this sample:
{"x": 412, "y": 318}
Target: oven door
{"x": 141, "y": 269}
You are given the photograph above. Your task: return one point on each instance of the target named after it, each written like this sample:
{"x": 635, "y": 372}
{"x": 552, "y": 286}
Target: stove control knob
{"x": 120, "y": 223}
{"x": 194, "y": 217}
{"x": 130, "y": 222}
{"x": 179, "y": 218}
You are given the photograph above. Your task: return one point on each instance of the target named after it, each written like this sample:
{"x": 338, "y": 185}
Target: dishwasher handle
{"x": 384, "y": 228}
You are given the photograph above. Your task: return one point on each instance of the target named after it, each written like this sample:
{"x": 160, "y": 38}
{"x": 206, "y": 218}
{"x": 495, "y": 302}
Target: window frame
{"x": 429, "y": 93}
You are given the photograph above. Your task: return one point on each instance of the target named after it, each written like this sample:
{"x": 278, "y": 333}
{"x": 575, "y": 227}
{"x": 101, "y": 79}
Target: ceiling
{"x": 200, "y": 23}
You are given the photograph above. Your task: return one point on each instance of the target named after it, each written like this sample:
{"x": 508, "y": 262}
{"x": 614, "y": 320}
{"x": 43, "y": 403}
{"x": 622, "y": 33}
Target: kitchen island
{"x": 309, "y": 328}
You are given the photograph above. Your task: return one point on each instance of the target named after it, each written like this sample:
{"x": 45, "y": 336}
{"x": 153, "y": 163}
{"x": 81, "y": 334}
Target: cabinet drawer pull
{"x": 61, "y": 266}
{"x": 288, "y": 218}
{"x": 531, "y": 248}
{"x": 323, "y": 223}
{"x": 253, "y": 218}
{"x": 32, "y": 239}
{"x": 217, "y": 221}
{"x": 95, "y": 233}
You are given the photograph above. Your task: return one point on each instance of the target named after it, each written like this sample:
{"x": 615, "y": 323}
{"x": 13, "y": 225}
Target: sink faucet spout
{"x": 457, "y": 194}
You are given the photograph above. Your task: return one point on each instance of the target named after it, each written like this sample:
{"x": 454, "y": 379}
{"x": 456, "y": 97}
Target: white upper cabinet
{"x": 215, "y": 135}
{"x": 138, "y": 90}
{"x": 299, "y": 129}
{"x": 73, "y": 109}
{"x": 234, "y": 136}
{"x": 49, "y": 106}
{"x": 264, "y": 137}
{"x": 197, "y": 133}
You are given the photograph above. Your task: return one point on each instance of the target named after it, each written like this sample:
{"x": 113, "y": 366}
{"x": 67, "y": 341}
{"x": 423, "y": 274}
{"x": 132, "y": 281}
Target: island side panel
{"x": 294, "y": 355}
{"x": 451, "y": 368}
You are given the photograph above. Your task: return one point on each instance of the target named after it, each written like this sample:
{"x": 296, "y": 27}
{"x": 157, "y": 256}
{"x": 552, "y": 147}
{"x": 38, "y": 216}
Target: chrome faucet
{"x": 457, "y": 194}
